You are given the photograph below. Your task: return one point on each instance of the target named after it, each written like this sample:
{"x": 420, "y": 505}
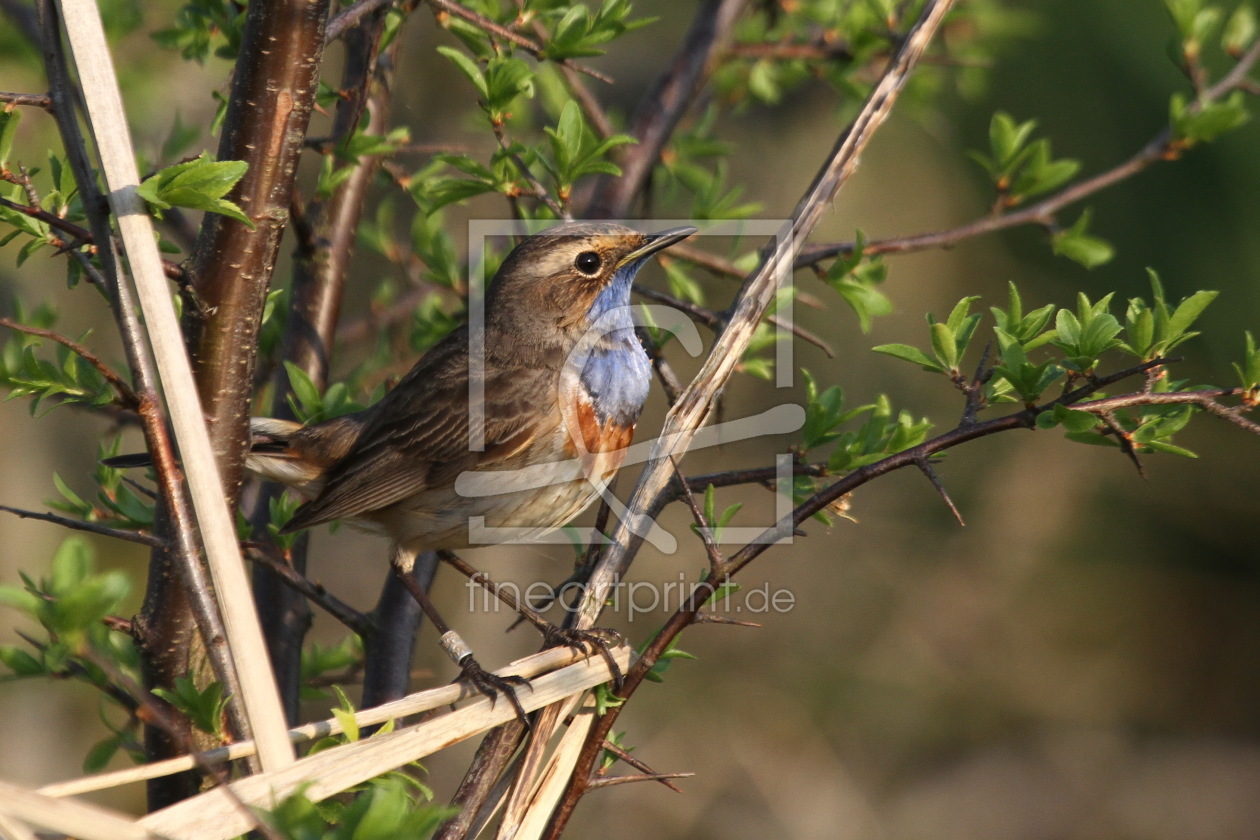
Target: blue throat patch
{"x": 617, "y": 372}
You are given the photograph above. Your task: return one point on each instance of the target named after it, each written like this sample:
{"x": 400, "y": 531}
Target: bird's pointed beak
{"x": 657, "y": 242}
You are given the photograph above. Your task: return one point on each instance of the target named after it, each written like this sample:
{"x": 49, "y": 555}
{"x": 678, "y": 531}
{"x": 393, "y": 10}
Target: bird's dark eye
{"x": 588, "y": 262}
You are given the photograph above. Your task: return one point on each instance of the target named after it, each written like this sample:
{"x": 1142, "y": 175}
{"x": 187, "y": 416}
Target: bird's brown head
{"x": 568, "y": 275}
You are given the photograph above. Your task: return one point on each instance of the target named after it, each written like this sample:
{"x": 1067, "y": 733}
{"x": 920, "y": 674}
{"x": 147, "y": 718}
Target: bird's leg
{"x": 401, "y": 560}
{"x": 596, "y": 640}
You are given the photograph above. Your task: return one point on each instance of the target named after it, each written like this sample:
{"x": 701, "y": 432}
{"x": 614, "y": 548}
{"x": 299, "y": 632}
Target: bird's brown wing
{"x": 418, "y": 435}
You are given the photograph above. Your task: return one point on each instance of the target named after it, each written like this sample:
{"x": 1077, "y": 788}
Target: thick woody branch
{"x": 272, "y": 95}
{"x": 320, "y": 269}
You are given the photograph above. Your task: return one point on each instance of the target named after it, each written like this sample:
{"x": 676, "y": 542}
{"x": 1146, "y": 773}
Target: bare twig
{"x": 709, "y": 261}
{"x": 819, "y": 48}
{"x": 141, "y": 537}
{"x": 669, "y": 380}
{"x": 334, "y": 606}
{"x": 717, "y": 321}
{"x": 642, "y": 767}
{"x": 925, "y": 467}
{"x": 36, "y": 100}
{"x": 974, "y": 390}
{"x": 351, "y": 15}
{"x": 760, "y": 475}
{"x": 663, "y": 778}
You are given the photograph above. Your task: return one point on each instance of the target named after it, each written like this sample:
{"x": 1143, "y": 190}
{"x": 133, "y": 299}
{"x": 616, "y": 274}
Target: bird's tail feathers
{"x": 269, "y": 452}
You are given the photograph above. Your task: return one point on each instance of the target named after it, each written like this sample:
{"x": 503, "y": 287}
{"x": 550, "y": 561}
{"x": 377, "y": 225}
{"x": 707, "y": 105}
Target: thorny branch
{"x": 1162, "y": 147}
{"x": 918, "y": 456}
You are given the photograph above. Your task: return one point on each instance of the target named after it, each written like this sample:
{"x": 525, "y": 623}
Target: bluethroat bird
{"x": 562, "y": 380}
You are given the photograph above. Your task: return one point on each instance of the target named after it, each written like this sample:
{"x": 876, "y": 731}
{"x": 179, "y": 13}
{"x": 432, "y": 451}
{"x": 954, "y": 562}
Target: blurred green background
{"x": 1078, "y": 661}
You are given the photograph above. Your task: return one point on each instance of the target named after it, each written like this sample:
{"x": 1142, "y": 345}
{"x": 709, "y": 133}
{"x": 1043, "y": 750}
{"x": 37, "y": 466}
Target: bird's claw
{"x": 492, "y": 685}
{"x": 596, "y": 640}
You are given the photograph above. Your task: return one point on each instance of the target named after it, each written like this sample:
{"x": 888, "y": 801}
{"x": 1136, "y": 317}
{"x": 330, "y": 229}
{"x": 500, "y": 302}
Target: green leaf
{"x": 1072, "y": 420}
{"x": 1204, "y": 121}
{"x": 21, "y": 663}
{"x": 101, "y": 753}
{"x": 505, "y": 80}
{"x": 468, "y": 67}
{"x": 1249, "y": 371}
{"x": 823, "y": 413}
{"x": 1068, "y": 327}
{"x": 198, "y": 185}
{"x": 1240, "y": 31}
{"x": 910, "y": 354}
{"x": 1077, "y": 245}
{"x": 1187, "y": 313}
{"x": 1170, "y": 449}
{"x": 204, "y": 708}
{"x": 70, "y": 502}
{"x": 1091, "y": 439}
{"x": 1039, "y": 174}
{"x": 9, "y": 120}
{"x": 945, "y": 346}
{"x": 70, "y": 565}
{"x": 681, "y": 284}
{"x": 1183, "y": 13}
{"x": 1007, "y": 138}
{"x": 569, "y": 131}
